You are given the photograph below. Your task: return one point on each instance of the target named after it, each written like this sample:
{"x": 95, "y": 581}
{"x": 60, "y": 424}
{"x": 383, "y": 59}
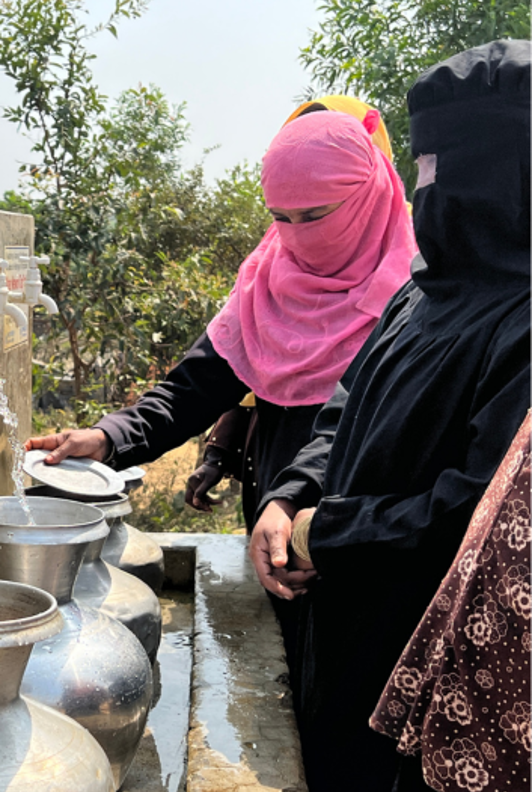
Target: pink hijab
{"x": 310, "y": 294}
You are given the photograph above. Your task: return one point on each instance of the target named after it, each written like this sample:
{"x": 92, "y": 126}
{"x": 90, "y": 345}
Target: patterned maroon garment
{"x": 460, "y": 693}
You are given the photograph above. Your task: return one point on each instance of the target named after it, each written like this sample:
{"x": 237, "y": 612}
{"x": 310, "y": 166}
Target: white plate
{"x": 133, "y": 473}
{"x": 80, "y": 476}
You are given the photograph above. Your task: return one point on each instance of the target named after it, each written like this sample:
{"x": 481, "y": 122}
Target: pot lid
{"x": 132, "y": 473}
{"x": 80, "y": 475}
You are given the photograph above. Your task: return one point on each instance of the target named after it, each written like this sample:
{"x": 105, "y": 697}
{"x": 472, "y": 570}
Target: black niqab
{"x": 473, "y": 224}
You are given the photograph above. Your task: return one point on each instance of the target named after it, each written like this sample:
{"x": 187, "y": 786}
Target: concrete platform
{"x": 242, "y": 733}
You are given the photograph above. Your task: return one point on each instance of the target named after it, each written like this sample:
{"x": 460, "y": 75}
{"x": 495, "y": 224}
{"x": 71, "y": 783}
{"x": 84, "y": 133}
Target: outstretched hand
{"x": 91, "y": 443}
{"x": 268, "y": 550}
{"x": 199, "y": 483}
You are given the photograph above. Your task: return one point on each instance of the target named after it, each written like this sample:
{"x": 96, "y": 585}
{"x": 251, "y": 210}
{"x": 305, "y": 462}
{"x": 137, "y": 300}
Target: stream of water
{"x": 17, "y": 474}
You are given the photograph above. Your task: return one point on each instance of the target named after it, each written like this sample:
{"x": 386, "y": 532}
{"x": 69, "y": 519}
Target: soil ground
{"x": 159, "y": 504}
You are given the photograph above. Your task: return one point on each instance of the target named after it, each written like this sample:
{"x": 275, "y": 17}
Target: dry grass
{"x": 159, "y": 505}
{"x": 169, "y": 473}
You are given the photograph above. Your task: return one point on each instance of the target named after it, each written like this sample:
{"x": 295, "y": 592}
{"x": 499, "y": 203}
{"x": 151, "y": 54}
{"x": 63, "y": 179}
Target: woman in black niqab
{"x": 473, "y": 222}
{"x": 405, "y": 449}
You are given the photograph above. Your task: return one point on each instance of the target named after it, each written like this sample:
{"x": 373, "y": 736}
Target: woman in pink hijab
{"x": 304, "y": 303}
{"x": 320, "y": 284}
{"x": 307, "y": 298}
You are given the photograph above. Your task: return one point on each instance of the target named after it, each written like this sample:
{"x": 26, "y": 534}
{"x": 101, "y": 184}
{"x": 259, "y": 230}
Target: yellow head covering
{"x": 353, "y": 107}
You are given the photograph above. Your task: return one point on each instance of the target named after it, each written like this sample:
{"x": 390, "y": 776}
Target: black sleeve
{"x": 192, "y": 397}
{"x": 302, "y": 481}
{"x": 227, "y": 441}
{"x": 342, "y": 525}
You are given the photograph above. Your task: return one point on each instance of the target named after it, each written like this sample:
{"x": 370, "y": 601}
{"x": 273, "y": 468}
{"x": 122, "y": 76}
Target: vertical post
{"x": 16, "y": 239}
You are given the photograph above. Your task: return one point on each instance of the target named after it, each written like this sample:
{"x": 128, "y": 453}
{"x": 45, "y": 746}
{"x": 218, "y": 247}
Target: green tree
{"x": 42, "y": 48}
{"x": 375, "y": 49}
{"x": 142, "y": 255}
{"x": 179, "y": 252}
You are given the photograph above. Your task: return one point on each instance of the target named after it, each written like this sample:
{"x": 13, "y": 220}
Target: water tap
{"x": 18, "y": 316}
{"x": 32, "y": 293}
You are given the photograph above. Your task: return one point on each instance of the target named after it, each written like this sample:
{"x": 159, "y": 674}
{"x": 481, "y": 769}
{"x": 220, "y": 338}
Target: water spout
{"x": 32, "y": 294}
{"x": 48, "y": 303}
{"x": 18, "y": 316}
{"x": 6, "y": 307}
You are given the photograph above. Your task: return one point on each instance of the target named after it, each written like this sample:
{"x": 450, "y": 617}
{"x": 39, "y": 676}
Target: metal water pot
{"x": 95, "y": 670}
{"x": 40, "y": 748}
{"x": 117, "y": 593}
{"x": 114, "y": 591}
{"x": 130, "y": 549}
{"x": 126, "y": 547}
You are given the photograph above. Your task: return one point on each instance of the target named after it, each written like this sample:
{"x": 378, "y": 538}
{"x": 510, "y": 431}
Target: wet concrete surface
{"x": 242, "y": 733}
{"x": 160, "y": 762}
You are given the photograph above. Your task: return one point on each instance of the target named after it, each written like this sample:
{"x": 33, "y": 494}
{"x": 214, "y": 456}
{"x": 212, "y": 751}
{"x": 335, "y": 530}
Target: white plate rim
{"x": 115, "y": 483}
{"x": 126, "y": 475}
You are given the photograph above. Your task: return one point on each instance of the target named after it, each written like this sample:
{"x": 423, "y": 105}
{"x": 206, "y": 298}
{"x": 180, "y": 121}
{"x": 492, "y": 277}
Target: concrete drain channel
{"x": 160, "y": 763}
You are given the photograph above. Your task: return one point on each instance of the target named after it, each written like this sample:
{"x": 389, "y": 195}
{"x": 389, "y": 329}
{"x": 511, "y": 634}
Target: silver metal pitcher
{"x": 130, "y": 549}
{"x": 40, "y": 749}
{"x": 117, "y": 593}
{"x": 95, "y": 670}
{"x": 126, "y": 547}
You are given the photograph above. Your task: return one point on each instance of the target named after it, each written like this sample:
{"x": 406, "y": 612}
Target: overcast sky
{"x": 234, "y": 62}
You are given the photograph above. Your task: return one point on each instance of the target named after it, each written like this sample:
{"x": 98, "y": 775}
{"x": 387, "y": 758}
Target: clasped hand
{"x": 279, "y": 569}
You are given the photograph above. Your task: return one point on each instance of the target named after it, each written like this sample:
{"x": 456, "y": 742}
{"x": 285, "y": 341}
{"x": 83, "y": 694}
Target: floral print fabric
{"x": 460, "y": 693}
